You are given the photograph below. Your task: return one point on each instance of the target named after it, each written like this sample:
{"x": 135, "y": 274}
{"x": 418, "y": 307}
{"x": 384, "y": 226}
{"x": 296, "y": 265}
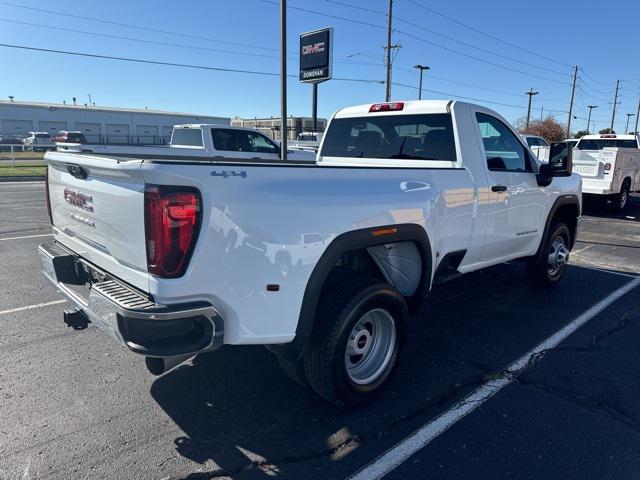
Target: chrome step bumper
{"x": 129, "y": 316}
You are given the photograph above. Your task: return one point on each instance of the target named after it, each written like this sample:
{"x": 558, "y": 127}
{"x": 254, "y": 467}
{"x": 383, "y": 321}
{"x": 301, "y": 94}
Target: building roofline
{"x": 100, "y": 108}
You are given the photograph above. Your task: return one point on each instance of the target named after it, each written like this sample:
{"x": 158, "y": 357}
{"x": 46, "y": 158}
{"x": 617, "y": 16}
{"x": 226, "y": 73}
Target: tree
{"x": 550, "y": 129}
{"x": 581, "y": 133}
{"x": 604, "y": 131}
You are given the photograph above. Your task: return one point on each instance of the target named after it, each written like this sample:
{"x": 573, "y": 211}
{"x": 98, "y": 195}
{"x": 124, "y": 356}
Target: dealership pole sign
{"x": 316, "y": 55}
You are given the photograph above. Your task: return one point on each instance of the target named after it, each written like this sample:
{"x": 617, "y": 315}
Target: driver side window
{"x": 503, "y": 150}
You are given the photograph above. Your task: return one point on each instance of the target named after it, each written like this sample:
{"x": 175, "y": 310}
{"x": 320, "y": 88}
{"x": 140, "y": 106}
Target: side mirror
{"x": 560, "y": 159}
{"x": 560, "y": 164}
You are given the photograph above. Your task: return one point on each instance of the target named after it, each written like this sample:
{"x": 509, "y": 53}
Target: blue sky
{"x": 547, "y": 38}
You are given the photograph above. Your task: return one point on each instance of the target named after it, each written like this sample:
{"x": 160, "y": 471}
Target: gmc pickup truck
{"x": 402, "y": 196}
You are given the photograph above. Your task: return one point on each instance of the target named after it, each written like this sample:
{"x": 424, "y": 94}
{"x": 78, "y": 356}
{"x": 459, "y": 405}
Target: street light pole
{"x": 283, "y": 79}
{"x": 637, "y": 117}
{"x": 531, "y": 93}
{"x": 422, "y": 68}
{"x": 626, "y": 129}
{"x": 590, "y": 107}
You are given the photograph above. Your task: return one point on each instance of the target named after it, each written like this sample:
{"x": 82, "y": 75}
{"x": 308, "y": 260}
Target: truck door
{"x": 516, "y": 216}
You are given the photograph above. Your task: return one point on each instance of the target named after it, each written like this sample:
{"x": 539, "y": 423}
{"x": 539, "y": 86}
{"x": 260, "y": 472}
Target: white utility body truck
{"x": 402, "y": 195}
{"x": 609, "y": 165}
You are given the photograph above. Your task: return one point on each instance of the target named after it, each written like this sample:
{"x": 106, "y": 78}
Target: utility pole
{"x": 422, "y": 68}
{"x": 637, "y": 117}
{"x": 590, "y": 107}
{"x": 390, "y": 17}
{"x": 283, "y": 79}
{"x": 573, "y": 94}
{"x": 541, "y": 113}
{"x": 531, "y": 93}
{"x": 615, "y": 103}
{"x": 626, "y": 129}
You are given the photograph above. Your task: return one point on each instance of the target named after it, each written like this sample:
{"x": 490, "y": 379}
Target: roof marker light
{"x": 386, "y": 107}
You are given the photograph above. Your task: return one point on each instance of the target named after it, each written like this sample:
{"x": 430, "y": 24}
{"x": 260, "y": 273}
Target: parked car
{"x": 539, "y": 146}
{"x": 610, "y": 167}
{"x": 307, "y": 141}
{"x": 9, "y": 143}
{"x": 38, "y": 141}
{"x": 402, "y": 196}
{"x": 65, "y": 136}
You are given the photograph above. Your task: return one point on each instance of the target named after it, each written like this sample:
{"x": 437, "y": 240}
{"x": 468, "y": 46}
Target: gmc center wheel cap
{"x": 370, "y": 346}
{"x": 558, "y": 256}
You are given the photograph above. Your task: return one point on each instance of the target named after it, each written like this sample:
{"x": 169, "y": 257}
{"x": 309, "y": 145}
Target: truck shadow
{"x": 241, "y": 416}
{"x": 600, "y": 210}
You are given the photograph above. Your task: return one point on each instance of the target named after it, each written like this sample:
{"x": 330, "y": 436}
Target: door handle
{"x": 499, "y": 188}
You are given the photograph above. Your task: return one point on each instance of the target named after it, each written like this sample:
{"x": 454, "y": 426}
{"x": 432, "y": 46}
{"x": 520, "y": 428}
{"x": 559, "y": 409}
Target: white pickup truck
{"x": 206, "y": 140}
{"x": 610, "y": 167}
{"x": 402, "y": 195}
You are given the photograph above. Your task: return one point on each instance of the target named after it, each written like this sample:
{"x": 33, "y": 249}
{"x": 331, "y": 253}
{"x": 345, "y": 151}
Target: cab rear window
{"x": 600, "y": 143}
{"x": 187, "y": 137}
{"x": 409, "y": 137}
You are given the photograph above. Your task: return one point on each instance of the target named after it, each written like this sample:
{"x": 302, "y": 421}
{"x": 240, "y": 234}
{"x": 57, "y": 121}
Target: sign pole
{"x": 314, "y": 109}
{"x": 283, "y": 79}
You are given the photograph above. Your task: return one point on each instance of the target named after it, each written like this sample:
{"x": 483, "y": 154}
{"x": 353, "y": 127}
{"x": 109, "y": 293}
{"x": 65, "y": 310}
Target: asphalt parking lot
{"x": 73, "y": 404}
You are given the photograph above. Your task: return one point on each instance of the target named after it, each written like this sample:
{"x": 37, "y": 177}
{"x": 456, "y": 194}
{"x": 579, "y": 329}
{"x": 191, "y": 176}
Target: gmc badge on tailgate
{"x": 78, "y": 199}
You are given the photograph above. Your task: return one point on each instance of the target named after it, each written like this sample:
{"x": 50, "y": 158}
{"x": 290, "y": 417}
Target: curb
{"x": 40, "y": 178}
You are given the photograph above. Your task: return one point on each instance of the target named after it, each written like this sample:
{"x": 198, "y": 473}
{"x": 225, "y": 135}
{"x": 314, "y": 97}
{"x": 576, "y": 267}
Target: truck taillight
{"x": 172, "y": 221}
{"x": 46, "y": 189}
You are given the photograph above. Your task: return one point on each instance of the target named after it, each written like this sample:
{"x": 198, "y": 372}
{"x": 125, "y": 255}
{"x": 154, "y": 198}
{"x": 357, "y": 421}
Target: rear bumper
{"x": 129, "y": 316}
{"x": 597, "y": 186}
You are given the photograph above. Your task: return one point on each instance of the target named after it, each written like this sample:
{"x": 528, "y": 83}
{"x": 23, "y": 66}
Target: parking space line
{"x": 397, "y": 454}
{"x": 27, "y": 236}
{"x": 30, "y": 307}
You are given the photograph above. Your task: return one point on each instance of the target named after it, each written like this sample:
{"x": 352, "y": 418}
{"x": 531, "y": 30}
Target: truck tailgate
{"x": 97, "y": 206}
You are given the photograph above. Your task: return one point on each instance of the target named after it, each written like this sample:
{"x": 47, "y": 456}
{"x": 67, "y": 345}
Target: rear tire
{"x": 547, "y": 271}
{"x": 620, "y": 200}
{"x": 356, "y": 341}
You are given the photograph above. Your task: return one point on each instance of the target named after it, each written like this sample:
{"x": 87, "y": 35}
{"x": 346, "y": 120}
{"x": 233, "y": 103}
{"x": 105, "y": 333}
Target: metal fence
{"x": 100, "y": 139}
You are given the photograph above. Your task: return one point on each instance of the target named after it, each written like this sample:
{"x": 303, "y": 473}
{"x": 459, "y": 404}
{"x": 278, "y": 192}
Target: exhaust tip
{"x": 155, "y": 365}
{"x": 158, "y": 366}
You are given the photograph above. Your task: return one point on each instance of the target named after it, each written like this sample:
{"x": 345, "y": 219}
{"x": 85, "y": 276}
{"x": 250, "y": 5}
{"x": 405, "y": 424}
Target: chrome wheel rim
{"x": 558, "y": 256}
{"x": 370, "y": 346}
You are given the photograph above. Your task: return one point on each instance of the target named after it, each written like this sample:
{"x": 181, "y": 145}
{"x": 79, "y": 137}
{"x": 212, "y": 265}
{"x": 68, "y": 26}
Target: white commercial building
{"x": 98, "y": 123}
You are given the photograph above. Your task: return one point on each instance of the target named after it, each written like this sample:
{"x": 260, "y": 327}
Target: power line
{"x": 170, "y": 64}
{"x": 170, "y": 44}
{"x": 541, "y": 77}
{"x": 140, "y": 27}
{"x": 141, "y": 40}
{"x": 488, "y": 34}
{"x": 369, "y": 24}
{"x": 447, "y": 37}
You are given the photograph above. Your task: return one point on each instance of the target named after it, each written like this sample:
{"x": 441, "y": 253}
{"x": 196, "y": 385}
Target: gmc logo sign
{"x": 79, "y": 200}
{"x": 315, "y": 48}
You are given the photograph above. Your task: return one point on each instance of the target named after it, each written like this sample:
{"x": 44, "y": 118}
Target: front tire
{"x": 547, "y": 271}
{"x": 356, "y": 341}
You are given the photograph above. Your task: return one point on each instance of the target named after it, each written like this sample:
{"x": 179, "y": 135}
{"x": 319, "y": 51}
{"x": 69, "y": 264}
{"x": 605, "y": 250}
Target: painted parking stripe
{"x": 27, "y": 236}
{"x": 31, "y": 307}
{"x": 397, "y": 454}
